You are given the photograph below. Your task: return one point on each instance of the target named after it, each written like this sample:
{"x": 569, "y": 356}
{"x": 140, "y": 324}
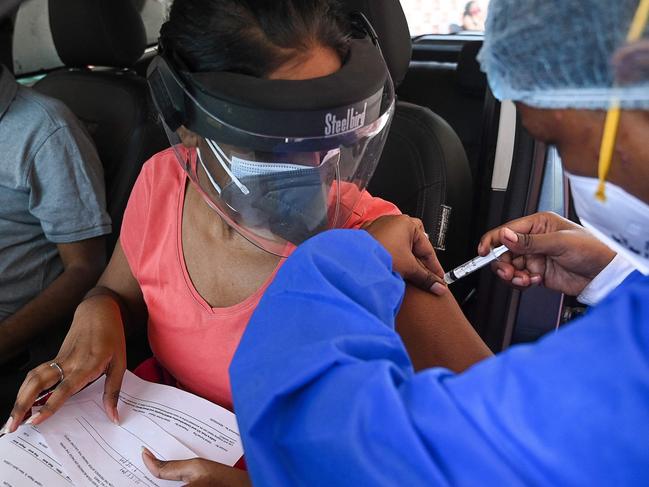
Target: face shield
{"x": 278, "y": 160}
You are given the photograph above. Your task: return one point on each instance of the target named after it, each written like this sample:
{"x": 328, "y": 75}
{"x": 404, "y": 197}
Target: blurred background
{"x": 445, "y": 16}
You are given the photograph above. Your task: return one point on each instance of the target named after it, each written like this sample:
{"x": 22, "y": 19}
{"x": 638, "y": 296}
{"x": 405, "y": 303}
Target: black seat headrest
{"x": 6, "y": 43}
{"x": 97, "y": 32}
{"x": 390, "y": 23}
{"x": 470, "y": 76}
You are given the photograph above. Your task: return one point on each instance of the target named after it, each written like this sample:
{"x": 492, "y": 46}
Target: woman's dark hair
{"x": 253, "y": 37}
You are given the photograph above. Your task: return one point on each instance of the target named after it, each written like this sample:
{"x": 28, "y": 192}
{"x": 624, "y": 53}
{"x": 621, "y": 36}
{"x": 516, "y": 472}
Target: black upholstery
{"x": 455, "y": 91}
{"x": 8, "y": 7}
{"x": 6, "y": 44}
{"x": 97, "y": 32}
{"x": 470, "y": 78}
{"x": 424, "y": 166}
{"x": 113, "y": 103}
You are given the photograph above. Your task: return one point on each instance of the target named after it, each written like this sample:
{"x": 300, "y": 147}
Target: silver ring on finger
{"x": 58, "y": 367}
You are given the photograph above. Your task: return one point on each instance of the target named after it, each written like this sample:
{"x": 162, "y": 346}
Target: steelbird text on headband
{"x": 279, "y": 160}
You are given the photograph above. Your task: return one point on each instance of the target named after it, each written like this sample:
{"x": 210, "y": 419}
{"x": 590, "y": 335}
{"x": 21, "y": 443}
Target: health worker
{"x": 335, "y": 400}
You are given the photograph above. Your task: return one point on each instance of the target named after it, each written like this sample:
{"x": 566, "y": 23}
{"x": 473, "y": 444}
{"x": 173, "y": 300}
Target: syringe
{"x": 474, "y": 265}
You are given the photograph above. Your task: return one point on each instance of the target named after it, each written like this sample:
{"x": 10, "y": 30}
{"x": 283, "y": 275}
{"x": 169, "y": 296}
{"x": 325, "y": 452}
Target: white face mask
{"x": 621, "y": 222}
{"x": 221, "y": 157}
{"x": 242, "y": 168}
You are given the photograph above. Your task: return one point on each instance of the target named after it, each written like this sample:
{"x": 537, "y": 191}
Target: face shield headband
{"x": 279, "y": 160}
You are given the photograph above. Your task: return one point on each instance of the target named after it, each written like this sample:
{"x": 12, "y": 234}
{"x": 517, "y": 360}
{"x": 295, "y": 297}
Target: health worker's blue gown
{"x": 325, "y": 393}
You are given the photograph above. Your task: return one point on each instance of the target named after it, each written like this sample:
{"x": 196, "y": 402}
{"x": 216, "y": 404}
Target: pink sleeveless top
{"x": 191, "y": 340}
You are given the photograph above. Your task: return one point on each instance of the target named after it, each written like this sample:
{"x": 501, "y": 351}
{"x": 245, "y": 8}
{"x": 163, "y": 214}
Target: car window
{"x": 445, "y": 16}
{"x": 154, "y": 13}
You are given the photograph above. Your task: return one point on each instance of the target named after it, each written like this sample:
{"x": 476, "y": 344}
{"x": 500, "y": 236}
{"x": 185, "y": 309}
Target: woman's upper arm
{"x": 436, "y": 333}
{"x": 118, "y": 278}
{"x": 120, "y": 275}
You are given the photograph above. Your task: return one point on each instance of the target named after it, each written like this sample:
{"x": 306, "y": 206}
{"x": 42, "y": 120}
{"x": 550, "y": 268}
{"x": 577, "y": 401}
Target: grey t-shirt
{"x": 51, "y": 191}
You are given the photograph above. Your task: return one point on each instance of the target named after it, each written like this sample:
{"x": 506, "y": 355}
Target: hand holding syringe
{"x": 474, "y": 265}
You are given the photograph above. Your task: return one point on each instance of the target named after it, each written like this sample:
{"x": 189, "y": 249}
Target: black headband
{"x": 227, "y": 106}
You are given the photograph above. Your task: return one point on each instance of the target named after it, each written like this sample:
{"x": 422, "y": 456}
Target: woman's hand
{"x": 547, "y": 250}
{"x": 196, "y": 472}
{"x": 412, "y": 253}
{"x": 94, "y": 345}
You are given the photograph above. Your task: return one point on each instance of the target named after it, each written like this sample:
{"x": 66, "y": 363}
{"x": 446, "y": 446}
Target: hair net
{"x": 560, "y": 53}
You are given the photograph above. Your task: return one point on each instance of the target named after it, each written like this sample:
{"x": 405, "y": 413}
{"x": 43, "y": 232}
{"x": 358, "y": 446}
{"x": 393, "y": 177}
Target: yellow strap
{"x": 612, "y": 124}
{"x": 608, "y": 147}
{"x": 639, "y": 22}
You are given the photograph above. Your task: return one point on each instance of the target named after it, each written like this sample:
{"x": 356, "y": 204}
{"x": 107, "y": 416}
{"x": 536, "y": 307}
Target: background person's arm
{"x": 64, "y": 181}
{"x": 83, "y": 263}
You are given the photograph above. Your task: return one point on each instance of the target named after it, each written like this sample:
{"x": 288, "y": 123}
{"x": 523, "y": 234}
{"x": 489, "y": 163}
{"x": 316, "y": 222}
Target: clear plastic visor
{"x": 279, "y": 198}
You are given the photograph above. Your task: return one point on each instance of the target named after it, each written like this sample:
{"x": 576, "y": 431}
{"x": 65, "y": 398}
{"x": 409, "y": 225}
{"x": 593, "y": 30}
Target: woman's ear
{"x": 188, "y": 138}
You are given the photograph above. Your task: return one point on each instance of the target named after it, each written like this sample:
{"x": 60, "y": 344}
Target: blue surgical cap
{"x": 559, "y": 53}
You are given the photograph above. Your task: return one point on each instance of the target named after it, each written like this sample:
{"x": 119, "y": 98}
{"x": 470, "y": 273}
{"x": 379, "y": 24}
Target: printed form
{"x": 209, "y": 430}
{"x": 80, "y": 446}
{"x": 27, "y": 461}
{"x": 96, "y": 452}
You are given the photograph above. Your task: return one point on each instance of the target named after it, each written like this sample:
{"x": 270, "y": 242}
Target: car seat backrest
{"x": 455, "y": 91}
{"x": 113, "y": 101}
{"x": 431, "y": 179}
{"x": 470, "y": 78}
{"x": 424, "y": 168}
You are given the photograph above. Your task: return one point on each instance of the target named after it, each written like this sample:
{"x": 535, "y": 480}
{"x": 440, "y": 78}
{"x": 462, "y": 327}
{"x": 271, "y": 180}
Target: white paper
{"x": 207, "y": 429}
{"x": 27, "y": 461}
{"x": 81, "y": 442}
{"x": 96, "y": 452}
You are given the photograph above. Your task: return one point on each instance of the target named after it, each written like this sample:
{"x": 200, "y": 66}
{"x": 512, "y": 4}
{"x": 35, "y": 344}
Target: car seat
{"x": 454, "y": 89}
{"x": 6, "y": 37}
{"x": 112, "y": 101}
{"x": 424, "y": 168}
